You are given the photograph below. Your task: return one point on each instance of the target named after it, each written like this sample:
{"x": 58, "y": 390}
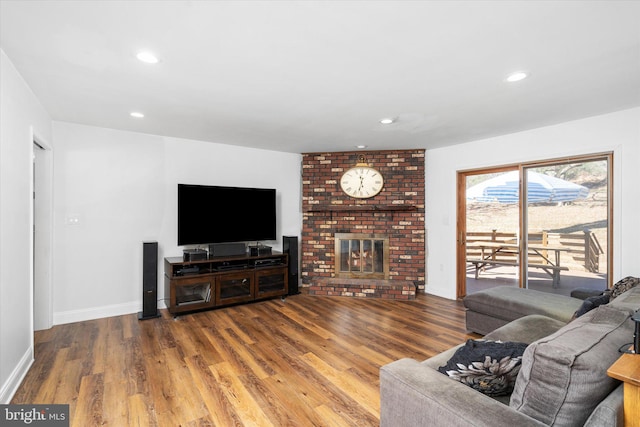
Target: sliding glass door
{"x": 567, "y": 225}
{"x": 543, "y": 226}
{"x": 492, "y": 221}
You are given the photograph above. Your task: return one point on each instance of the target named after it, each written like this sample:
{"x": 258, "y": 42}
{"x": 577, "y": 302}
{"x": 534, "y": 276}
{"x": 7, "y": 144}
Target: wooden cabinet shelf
{"x": 216, "y": 282}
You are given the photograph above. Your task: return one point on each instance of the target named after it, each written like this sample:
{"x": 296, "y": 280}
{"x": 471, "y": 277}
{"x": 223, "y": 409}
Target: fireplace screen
{"x": 362, "y": 255}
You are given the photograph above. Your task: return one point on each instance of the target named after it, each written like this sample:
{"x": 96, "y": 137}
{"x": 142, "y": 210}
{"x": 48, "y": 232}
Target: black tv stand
{"x": 221, "y": 281}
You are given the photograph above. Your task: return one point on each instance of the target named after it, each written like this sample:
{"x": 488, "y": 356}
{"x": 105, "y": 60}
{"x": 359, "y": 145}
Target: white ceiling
{"x": 308, "y": 76}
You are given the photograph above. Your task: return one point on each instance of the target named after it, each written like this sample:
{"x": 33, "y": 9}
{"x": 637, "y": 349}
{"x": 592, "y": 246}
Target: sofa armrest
{"x": 609, "y": 412}
{"x": 412, "y": 394}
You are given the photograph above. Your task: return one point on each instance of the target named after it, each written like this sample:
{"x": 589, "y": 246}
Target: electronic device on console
{"x": 191, "y": 269}
{"x": 232, "y": 265}
{"x": 194, "y": 255}
{"x": 267, "y": 262}
{"x": 258, "y": 250}
{"x": 227, "y": 249}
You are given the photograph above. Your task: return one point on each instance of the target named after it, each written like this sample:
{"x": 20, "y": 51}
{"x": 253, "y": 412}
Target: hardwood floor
{"x": 307, "y": 361}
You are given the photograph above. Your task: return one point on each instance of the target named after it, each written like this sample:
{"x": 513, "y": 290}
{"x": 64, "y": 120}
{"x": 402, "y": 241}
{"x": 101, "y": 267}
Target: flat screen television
{"x": 214, "y": 214}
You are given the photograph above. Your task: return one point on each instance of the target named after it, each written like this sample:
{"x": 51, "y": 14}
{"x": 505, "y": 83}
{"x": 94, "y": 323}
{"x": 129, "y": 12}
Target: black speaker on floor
{"x": 149, "y": 281}
{"x": 290, "y": 247}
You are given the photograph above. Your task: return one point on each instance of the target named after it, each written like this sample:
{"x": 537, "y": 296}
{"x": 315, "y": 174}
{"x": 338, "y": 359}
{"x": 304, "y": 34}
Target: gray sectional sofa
{"x": 561, "y": 380}
{"x": 495, "y": 307}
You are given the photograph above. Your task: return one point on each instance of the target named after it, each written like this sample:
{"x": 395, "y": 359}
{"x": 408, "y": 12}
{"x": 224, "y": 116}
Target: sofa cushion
{"x": 491, "y": 367}
{"x": 526, "y": 329}
{"x": 564, "y": 376}
{"x": 510, "y": 303}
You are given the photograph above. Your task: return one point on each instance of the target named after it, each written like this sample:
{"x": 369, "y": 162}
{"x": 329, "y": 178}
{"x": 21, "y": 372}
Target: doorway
{"x": 543, "y": 226}
{"x": 42, "y": 225}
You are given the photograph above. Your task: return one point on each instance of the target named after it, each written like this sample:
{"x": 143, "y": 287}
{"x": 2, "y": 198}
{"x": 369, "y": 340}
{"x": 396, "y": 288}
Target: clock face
{"x": 361, "y": 182}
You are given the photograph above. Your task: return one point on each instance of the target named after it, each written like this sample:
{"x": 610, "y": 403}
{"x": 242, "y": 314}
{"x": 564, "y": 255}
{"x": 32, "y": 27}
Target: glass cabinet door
{"x": 271, "y": 282}
{"x": 193, "y": 293}
{"x": 234, "y": 287}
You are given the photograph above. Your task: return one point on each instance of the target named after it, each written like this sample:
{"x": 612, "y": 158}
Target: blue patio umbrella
{"x": 505, "y": 188}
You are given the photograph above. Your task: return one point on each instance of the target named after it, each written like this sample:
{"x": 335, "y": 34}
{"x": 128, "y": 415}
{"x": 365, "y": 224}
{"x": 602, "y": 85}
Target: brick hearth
{"x": 364, "y": 288}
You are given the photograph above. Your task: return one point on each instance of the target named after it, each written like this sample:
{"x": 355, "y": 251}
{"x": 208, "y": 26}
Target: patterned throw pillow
{"x": 490, "y": 367}
{"x": 622, "y": 286}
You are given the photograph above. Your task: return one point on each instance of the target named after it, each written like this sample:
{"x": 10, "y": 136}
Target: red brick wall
{"x": 403, "y": 172}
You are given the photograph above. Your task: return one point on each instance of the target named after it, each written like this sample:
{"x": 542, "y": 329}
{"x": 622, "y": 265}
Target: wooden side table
{"x": 627, "y": 369}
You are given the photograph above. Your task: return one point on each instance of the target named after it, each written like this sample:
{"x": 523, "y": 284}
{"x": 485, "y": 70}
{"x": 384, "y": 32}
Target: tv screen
{"x": 213, "y": 214}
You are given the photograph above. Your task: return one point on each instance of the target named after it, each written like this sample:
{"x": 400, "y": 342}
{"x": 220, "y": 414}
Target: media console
{"x": 220, "y": 281}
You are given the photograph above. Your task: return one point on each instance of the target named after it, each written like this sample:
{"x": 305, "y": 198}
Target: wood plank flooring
{"x": 305, "y": 361}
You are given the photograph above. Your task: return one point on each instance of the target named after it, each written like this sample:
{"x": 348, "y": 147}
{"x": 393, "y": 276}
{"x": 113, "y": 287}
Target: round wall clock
{"x": 361, "y": 181}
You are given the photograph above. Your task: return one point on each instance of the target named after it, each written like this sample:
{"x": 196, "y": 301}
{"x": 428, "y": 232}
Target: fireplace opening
{"x": 361, "y": 256}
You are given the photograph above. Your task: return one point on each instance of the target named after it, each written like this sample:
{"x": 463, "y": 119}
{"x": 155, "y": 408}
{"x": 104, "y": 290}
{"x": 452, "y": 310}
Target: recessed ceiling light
{"x": 517, "y": 76}
{"x": 387, "y": 121}
{"x": 361, "y": 146}
{"x": 137, "y": 115}
{"x": 148, "y": 57}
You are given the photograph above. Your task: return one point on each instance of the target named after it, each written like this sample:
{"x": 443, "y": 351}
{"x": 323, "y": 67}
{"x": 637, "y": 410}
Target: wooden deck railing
{"x": 583, "y": 248}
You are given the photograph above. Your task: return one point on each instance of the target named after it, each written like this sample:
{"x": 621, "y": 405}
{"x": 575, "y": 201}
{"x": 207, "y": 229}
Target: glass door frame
{"x": 461, "y": 214}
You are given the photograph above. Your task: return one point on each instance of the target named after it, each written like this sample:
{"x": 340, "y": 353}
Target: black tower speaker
{"x": 149, "y": 281}
{"x": 290, "y": 247}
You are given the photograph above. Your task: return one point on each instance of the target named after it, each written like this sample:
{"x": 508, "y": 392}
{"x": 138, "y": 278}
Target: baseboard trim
{"x": 10, "y": 387}
{"x": 71, "y": 316}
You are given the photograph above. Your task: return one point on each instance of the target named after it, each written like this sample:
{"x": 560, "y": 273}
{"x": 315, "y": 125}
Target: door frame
{"x": 461, "y": 212}
{"x": 461, "y": 222}
{"x": 42, "y": 220}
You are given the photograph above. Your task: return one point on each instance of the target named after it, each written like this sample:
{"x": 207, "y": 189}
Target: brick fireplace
{"x": 395, "y": 215}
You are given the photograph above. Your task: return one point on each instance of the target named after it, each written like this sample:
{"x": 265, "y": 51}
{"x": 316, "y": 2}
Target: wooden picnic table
{"x": 490, "y": 251}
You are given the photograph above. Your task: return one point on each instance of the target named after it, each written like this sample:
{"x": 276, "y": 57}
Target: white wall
{"x": 618, "y": 132}
{"x": 21, "y": 115}
{"x": 121, "y": 187}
